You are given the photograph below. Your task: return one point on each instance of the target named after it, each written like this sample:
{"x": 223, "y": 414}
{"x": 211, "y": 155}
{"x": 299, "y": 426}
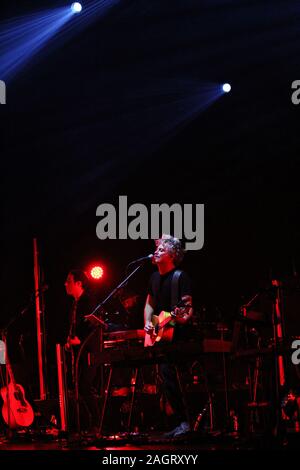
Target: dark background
{"x": 116, "y": 108}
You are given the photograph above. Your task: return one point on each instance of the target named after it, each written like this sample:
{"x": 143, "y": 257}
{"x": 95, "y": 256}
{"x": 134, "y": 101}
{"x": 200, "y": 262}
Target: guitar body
{"x": 16, "y": 411}
{"x": 162, "y": 329}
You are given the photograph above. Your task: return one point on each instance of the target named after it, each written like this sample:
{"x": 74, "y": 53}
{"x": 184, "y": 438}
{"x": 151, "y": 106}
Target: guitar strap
{"x": 175, "y": 287}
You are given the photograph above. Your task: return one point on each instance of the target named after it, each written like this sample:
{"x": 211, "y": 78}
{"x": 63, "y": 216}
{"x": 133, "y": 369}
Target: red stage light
{"x": 96, "y": 272}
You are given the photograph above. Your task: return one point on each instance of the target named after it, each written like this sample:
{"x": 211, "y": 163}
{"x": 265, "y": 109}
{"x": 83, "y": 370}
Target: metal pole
{"x": 278, "y": 330}
{"x": 39, "y": 330}
{"x": 279, "y": 362}
{"x": 61, "y": 375}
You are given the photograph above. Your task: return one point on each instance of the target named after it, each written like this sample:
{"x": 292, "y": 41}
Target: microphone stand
{"x": 92, "y": 315}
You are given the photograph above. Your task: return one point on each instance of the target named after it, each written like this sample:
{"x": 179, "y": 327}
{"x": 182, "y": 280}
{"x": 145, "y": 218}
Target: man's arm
{"x": 148, "y": 312}
{"x": 184, "y": 314}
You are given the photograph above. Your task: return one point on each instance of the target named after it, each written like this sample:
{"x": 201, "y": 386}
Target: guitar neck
{"x": 166, "y": 321}
{"x": 171, "y": 316}
{"x": 10, "y": 372}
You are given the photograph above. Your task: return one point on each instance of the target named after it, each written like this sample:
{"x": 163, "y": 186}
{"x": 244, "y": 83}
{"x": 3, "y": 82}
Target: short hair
{"x": 80, "y": 276}
{"x": 174, "y": 247}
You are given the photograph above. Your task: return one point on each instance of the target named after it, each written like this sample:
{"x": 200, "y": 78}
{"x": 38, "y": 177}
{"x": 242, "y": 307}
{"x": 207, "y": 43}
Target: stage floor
{"x": 192, "y": 442}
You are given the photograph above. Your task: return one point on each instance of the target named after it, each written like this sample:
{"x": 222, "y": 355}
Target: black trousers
{"x": 88, "y": 389}
{"x": 89, "y": 398}
{"x": 172, "y": 391}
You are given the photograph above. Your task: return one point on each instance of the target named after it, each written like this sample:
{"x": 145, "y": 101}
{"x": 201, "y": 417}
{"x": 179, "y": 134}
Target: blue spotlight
{"x": 76, "y": 7}
{"x": 226, "y": 87}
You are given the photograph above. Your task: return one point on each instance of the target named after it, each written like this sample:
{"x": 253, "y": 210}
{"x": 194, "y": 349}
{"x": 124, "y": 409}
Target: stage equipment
{"x": 96, "y": 272}
{"x": 276, "y": 351}
{"x": 62, "y": 387}
{"x": 16, "y": 410}
{"x": 39, "y": 289}
{"x": 98, "y": 321}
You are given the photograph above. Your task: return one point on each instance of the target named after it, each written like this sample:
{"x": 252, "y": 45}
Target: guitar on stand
{"x": 16, "y": 410}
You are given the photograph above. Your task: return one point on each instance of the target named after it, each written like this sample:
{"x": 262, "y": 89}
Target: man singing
{"x": 165, "y": 285}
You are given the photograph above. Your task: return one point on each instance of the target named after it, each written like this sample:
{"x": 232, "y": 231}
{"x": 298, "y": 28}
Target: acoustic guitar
{"x": 16, "y": 410}
{"x": 164, "y": 325}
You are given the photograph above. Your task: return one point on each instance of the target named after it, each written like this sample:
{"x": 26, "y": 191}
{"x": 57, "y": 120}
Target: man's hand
{"x": 149, "y": 327}
{"x": 180, "y": 312}
{"x": 183, "y": 314}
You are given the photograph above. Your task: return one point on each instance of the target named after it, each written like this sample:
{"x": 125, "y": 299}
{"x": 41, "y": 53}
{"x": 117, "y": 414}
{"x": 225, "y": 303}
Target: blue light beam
{"x": 23, "y": 37}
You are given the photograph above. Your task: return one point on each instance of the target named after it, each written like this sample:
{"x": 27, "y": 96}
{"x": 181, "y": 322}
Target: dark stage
{"x": 116, "y": 129}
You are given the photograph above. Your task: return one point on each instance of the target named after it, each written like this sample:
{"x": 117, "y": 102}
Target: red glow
{"x": 96, "y": 272}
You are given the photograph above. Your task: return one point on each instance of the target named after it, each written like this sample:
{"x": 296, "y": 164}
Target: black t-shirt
{"x": 160, "y": 287}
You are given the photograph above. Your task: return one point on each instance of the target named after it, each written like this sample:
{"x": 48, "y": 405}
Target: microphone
{"x": 141, "y": 260}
